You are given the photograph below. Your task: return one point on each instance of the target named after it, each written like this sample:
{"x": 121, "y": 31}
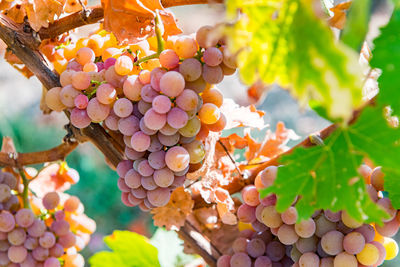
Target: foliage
{"x": 128, "y": 249}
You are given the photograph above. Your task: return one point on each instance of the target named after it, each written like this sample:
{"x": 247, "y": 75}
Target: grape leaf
{"x": 356, "y": 26}
{"x": 326, "y": 176}
{"x": 128, "y": 250}
{"x": 386, "y": 56}
{"x": 285, "y": 42}
{"x": 133, "y": 20}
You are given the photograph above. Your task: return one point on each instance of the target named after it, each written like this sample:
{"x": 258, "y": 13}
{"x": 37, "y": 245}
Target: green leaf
{"x": 128, "y": 250}
{"x": 170, "y": 249}
{"x": 283, "y": 41}
{"x": 386, "y": 56}
{"x": 356, "y": 26}
{"x": 326, "y": 177}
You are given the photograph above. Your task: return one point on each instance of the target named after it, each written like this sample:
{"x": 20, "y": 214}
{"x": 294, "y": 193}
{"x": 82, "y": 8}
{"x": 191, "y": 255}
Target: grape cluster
{"x": 164, "y": 108}
{"x": 49, "y": 235}
{"x": 327, "y": 239}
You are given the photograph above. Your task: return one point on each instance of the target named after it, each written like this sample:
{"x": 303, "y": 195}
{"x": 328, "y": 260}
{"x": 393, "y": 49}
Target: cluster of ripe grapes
{"x": 49, "y": 233}
{"x": 327, "y": 239}
{"x": 163, "y": 108}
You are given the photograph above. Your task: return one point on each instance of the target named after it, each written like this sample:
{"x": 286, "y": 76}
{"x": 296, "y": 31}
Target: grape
{"x": 132, "y": 179}
{"x": 212, "y": 56}
{"x": 377, "y": 179}
{"x": 163, "y": 177}
{"x": 81, "y": 101}
{"x": 345, "y": 260}
{"x": 382, "y": 252}
{"x": 5, "y": 192}
{"x": 213, "y": 96}
{"x": 10, "y": 180}
{"x": 16, "y": 237}
{"x": 275, "y": 251}
{"x": 67, "y": 95}
{"x": 133, "y": 200}
{"x": 51, "y": 200}
{"x": 129, "y": 125}
{"x": 268, "y": 175}
{"x": 144, "y": 77}
{"x": 7, "y": 222}
{"x": 123, "y": 167}
{"x": 192, "y": 128}
{"x": 172, "y": 84}
{"x": 190, "y": 69}
{"x": 323, "y": 226}
{"x": 389, "y": 229}
{"x": 154, "y": 120}
{"x": 205, "y": 37}
{"x": 332, "y": 242}
{"x": 159, "y": 197}
{"x": 85, "y": 55}
{"x": 148, "y": 183}
{"x": 123, "y": 107}
{"x": 53, "y": 100}
{"x": 47, "y": 240}
{"x": 155, "y": 77}
{"x": 144, "y": 168}
{"x": 209, "y": 113}
{"x": 125, "y": 199}
{"x": 4, "y": 261}
{"x": 353, "y": 243}
{"x": 287, "y": 235}
{"x": 197, "y": 153}
{"x": 309, "y": 259}
{"x": 60, "y": 227}
{"x": 143, "y": 106}
{"x": 185, "y": 47}
{"x": 240, "y": 245}
{"x": 106, "y": 94}
{"x": 79, "y": 118}
{"x": 161, "y": 104}
{"x": 304, "y": 245}
{"x": 72, "y": 204}
{"x": 74, "y": 66}
{"x": 229, "y": 59}
{"x": 177, "y": 158}
{"x": 373, "y": 194}
{"x": 270, "y": 217}
{"x": 155, "y": 144}
{"x": 66, "y": 77}
{"x": 96, "y": 111}
{"x": 332, "y": 216}
{"x": 256, "y": 247}
{"x": 187, "y": 100}
{"x": 240, "y": 260}
{"x": 289, "y": 216}
{"x": 148, "y": 94}
{"x": 67, "y": 240}
{"x": 227, "y": 71}
{"x": 169, "y": 59}
{"x": 139, "y": 192}
{"x": 367, "y": 231}
{"x": 123, "y": 65}
{"x": 168, "y": 140}
{"x": 24, "y": 217}
{"x": 305, "y": 228}
{"x": 52, "y": 262}
{"x": 263, "y": 261}
{"x": 80, "y": 80}
{"x": 259, "y": 226}
{"x": 249, "y": 194}
{"x": 17, "y": 254}
{"x": 212, "y": 75}
{"x": 182, "y": 172}
{"x": 224, "y": 261}
{"x": 386, "y": 204}
{"x": 349, "y": 221}
{"x": 140, "y": 141}
{"x": 246, "y": 213}
{"x": 112, "y": 121}
{"x": 157, "y": 159}
{"x": 132, "y": 88}
{"x": 391, "y": 248}
{"x": 369, "y": 255}
{"x": 136, "y": 163}
{"x": 198, "y": 85}
{"x": 122, "y": 186}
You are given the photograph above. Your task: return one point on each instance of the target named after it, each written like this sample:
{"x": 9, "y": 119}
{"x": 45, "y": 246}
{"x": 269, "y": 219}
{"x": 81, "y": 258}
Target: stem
{"x": 26, "y": 189}
{"x": 146, "y": 58}
{"x": 160, "y": 40}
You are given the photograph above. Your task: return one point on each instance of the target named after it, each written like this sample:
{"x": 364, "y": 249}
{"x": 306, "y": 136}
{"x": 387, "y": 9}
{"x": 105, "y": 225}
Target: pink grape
{"x": 268, "y": 176}
{"x": 143, "y": 106}
{"x": 24, "y": 218}
{"x": 187, "y": 100}
{"x": 47, "y": 240}
{"x": 144, "y": 77}
{"x": 66, "y": 77}
{"x": 212, "y": 56}
{"x": 17, "y": 236}
{"x": 146, "y": 129}
{"x": 85, "y": 55}
{"x": 263, "y": 261}
{"x": 332, "y": 242}
{"x": 75, "y": 66}
{"x": 309, "y": 259}
{"x": 177, "y": 158}
{"x": 224, "y": 261}
{"x": 109, "y": 62}
{"x": 155, "y": 77}
{"x": 7, "y": 221}
{"x": 168, "y": 140}
{"x": 159, "y": 197}
{"x": 125, "y": 199}
{"x": 17, "y": 254}
{"x": 123, "y": 167}
{"x": 198, "y": 85}
{"x": 51, "y": 262}
{"x": 275, "y": 251}
{"x": 67, "y": 240}
{"x": 140, "y": 141}
{"x": 148, "y": 183}
{"x": 172, "y": 83}
{"x": 133, "y": 200}
{"x": 123, "y": 107}
{"x": 323, "y": 226}
{"x": 289, "y": 216}
{"x": 304, "y": 245}
{"x": 287, "y": 235}
{"x": 206, "y": 37}
{"x": 367, "y": 231}
{"x": 148, "y": 94}
{"x": 305, "y": 228}
{"x": 128, "y": 125}
{"x": 31, "y": 243}
{"x": 144, "y": 168}
{"x": 246, "y": 213}
{"x": 40, "y": 254}
{"x": 79, "y": 118}
{"x": 139, "y": 192}
{"x": 132, "y": 179}
{"x": 132, "y": 88}
{"x": 256, "y": 247}
{"x": 212, "y": 75}
{"x": 389, "y": 229}
{"x": 332, "y": 216}
{"x": 106, "y": 94}
{"x": 68, "y": 95}
{"x": 177, "y": 118}
{"x": 353, "y": 243}
{"x": 60, "y": 227}
{"x": 155, "y": 144}
{"x": 240, "y": 260}
{"x": 96, "y": 111}
{"x": 190, "y": 69}
{"x": 163, "y": 177}
{"x": 100, "y": 66}
{"x": 113, "y": 78}
{"x": 161, "y": 104}
{"x": 51, "y": 200}
{"x": 122, "y": 185}
{"x": 154, "y": 120}
{"x": 133, "y": 154}
{"x": 81, "y": 80}
{"x": 81, "y": 101}
{"x": 250, "y": 195}
{"x": 259, "y": 226}
{"x": 169, "y": 59}
{"x": 157, "y": 159}
{"x": 111, "y": 122}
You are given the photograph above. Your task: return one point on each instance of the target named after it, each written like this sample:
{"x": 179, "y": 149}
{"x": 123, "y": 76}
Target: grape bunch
{"x": 50, "y": 234}
{"x": 326, "y": 239}
{"x": 163, "y": 108}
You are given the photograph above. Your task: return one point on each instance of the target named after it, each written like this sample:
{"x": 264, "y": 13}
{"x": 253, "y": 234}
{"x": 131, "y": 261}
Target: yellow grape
{"x": 219, "y": 125}
{"x": 350, "y": 221}
{"x": 209, "y": 113}
{"x": 213, "y": 96}
{"x": 369, "y": 255}
{"x": 192, "y": 127}
{"x": 391, "y": 247}
{"x": 123, "y": 65}
{"x": 53, "y": 100}
{"x": 196, "y": 151}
